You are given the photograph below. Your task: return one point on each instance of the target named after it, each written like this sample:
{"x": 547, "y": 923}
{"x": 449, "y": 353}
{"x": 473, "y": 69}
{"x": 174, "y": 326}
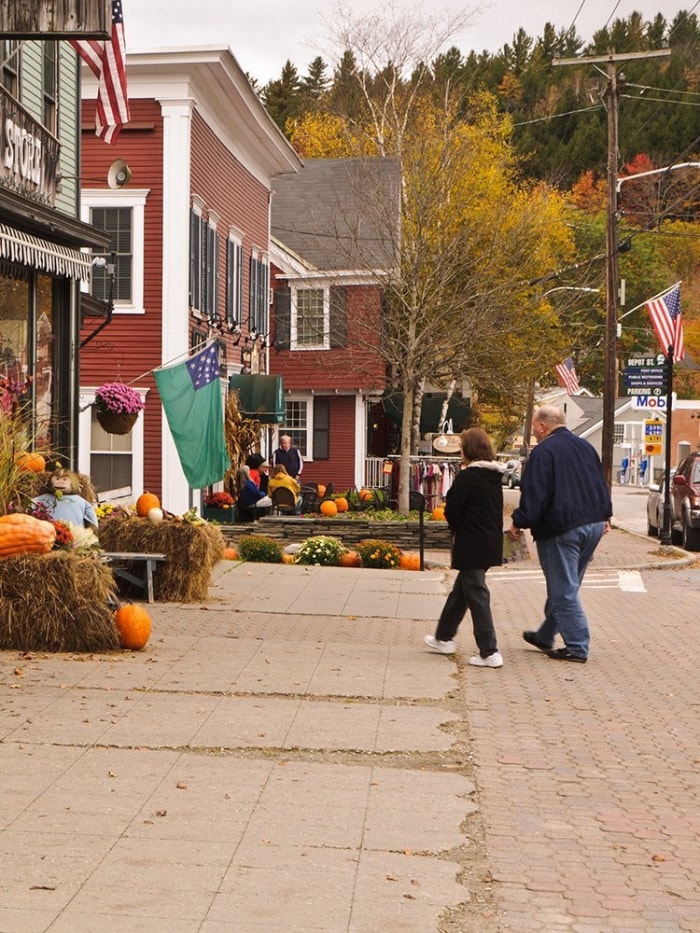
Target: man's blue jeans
{"x": 564, "y": 560}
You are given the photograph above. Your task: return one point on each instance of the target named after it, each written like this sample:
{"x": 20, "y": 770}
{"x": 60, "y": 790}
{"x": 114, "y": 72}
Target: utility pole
{"x": 612, "y": 98}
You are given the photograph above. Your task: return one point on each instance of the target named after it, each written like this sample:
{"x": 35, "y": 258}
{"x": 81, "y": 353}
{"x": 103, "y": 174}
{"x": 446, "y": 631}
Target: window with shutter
{"x": 234, "y": 284}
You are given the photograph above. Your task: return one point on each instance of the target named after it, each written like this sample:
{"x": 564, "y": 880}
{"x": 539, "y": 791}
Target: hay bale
{"x": 191, "y": 551}
{"x": 56, "y": 602}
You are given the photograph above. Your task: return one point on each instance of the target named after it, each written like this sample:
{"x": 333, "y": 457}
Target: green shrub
{"x": 379, "y": 554}
{"x": 321, "y": 549}
{"x": 261, "y": 549}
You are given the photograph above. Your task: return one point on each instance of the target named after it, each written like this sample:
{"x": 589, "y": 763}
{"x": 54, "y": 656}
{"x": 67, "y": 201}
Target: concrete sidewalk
{"x": 287, "y": 757}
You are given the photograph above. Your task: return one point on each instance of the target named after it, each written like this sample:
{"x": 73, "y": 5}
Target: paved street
{"x": 287, "y": 757}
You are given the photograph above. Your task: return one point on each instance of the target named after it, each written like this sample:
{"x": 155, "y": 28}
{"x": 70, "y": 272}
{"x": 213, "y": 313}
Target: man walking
{"x": 565, "y": 502}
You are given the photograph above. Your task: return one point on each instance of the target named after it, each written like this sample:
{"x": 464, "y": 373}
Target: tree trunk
{"x": 445, "y": 405}
{"x": 405, "y": 461}
{"x": 416, "y": 413}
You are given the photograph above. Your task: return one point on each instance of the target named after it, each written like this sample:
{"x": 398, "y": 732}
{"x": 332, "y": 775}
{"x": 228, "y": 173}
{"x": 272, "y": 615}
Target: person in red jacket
{"x": 474, "y": 512}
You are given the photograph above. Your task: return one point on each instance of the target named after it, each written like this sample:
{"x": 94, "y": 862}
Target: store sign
{"x": 28, "y": 153}
{"x": 447, "y": 443}
{"x": 660, "y": 402}
{"x": 56, "y": 19}
{"x": 653, "y": 435}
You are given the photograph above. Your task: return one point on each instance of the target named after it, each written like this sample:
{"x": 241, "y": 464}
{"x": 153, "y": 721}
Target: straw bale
{"x": 60, "y": 601}
{"x": 191, "y": 551}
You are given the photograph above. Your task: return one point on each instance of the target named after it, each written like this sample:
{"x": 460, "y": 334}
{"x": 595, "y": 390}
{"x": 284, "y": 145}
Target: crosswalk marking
{"x": 629, "y": 581}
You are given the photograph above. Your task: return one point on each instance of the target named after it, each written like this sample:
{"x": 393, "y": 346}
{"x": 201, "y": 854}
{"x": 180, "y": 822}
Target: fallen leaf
{"x": 181, "y": 786}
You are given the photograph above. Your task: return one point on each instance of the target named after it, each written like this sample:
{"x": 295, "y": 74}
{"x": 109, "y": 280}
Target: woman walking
{"x": 474, "y": 512}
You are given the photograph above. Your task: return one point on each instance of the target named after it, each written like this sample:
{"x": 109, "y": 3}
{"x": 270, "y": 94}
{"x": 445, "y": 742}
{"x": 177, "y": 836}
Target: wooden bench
{"x": 149, "y": 561}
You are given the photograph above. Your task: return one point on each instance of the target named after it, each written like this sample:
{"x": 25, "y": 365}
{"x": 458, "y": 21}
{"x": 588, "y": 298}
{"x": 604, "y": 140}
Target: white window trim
{"x": 87, "y": 398}
{"x": 326, "y": 343}
{"x": 308, "y": 400}
{"x": 237, "y": 239}
{"x": 135, "y": 198}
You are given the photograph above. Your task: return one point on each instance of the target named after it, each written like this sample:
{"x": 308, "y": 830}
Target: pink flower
{"x": 118, "y": 398}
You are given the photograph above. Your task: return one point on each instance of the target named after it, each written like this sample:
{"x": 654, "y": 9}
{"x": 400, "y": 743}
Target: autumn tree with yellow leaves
{"x": 458, "y": 304}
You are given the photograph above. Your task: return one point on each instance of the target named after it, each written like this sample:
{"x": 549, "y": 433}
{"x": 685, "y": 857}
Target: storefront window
{"x": 44, "y": 368}
{"x": 14, "y": 329}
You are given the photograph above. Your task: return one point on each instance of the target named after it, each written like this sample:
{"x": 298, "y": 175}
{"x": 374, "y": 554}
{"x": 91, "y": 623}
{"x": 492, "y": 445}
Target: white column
{"x": 177, "y": 125}
{"x": 360, "y": 439}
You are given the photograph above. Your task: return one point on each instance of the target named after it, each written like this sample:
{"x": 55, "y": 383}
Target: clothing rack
{"x": 431, "y": 476}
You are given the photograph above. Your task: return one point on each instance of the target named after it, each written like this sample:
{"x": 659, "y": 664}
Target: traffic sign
{"x": 657, "y": 360}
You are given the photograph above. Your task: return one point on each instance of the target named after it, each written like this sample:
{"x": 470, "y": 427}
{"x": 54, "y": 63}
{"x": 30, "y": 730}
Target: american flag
{"x": 666, "y": 318}
{"x": 566, "y": 374}
{"x": 107, "y": 61}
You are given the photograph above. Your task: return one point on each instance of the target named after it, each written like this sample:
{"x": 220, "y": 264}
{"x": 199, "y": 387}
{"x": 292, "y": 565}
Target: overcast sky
{"x": 265, "y": 33}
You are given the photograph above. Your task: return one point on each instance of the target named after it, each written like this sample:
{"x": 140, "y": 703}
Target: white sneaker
{"x": 442, "y": 647}
{"x": 493, "y": 660}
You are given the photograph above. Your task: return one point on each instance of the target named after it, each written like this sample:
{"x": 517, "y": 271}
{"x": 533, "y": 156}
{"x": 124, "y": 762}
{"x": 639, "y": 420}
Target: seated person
{"x": 250, "y": 498}
{"x": 279, "y": 478}
{"x": 64, "y": 502}
{"x": 258, "y": 471}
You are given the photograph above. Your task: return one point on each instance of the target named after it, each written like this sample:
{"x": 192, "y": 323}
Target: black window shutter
{"x": 229, "y": 281}
{"x": 283, "y": 318}
{"x": 338, "y": 316}
{"x": 194, "y": 259}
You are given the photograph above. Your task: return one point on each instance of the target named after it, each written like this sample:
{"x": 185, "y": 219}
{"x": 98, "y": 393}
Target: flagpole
{"x": 180, "y": 356}
{"x": 666, "y": 526}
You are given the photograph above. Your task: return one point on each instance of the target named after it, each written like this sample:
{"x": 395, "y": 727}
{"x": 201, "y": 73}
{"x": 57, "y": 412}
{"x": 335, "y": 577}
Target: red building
{"x": 185, "y": 195}
{"x": 335, "y": 227}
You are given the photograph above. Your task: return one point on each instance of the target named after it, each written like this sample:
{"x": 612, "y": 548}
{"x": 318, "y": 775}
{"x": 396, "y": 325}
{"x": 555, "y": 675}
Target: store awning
{"x": 458, "y": 411}
{"x": 54, "y": 258}
{"x": 259, "y": 397}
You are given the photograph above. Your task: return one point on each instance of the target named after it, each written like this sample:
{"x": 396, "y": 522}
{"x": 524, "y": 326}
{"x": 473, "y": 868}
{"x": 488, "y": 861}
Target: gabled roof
{"x": 210, "y": 78}
{"x": 340, "y": 214}
{"x": 588, "y": 416}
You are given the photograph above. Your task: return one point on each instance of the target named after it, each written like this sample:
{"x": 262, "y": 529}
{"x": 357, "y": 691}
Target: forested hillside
{"x": 559, "y": 121}
{"x": 544, "y": 127}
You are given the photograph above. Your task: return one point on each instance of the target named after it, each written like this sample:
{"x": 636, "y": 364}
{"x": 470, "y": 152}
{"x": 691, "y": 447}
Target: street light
{"x": 571, "y": 288}
{"x": 655, "y": 171}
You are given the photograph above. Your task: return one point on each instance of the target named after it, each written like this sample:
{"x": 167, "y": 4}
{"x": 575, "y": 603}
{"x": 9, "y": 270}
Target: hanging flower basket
{"x": 117, "y": 407}
{"x": 117, "y": 422}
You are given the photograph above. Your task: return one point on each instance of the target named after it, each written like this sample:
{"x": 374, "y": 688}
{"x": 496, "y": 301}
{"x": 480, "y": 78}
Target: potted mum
{"x": 219, "y": 507}
{"x": 117, "y": 407}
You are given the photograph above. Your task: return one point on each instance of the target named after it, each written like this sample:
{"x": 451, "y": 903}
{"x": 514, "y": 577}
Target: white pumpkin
{"x": 155, "y": 516}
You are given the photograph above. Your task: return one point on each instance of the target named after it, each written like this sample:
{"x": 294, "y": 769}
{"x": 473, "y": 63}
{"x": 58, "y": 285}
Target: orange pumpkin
{"x": 288, "y": 559}
{"x": 230, "y": 553}
{"x": 329, "y": 508}
{"x": 341, "y": 504}
{"x": 410, "y": 561}
{"x": 321, "y": 489}
{"x": 30, "y": 462}
{"x": 145, "y": 502}
{"x": 365, "y": 495}
{"x": 350, "y": 559}
{"x": 134, "y": 626}
{"x": 24, "y": 534}
{"x": 438, "y": 514}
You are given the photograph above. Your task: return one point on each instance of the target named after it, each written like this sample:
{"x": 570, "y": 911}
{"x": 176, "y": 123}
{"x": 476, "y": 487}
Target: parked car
{"x": 685, "y": 503}
{"x": 512, "y": 474}
{"x": 655, "y": 507}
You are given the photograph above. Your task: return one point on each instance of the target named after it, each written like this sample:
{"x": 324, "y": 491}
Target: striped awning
{"x": 28, "y": 250}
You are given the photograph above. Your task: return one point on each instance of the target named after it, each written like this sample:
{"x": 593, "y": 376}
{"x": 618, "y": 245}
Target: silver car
{"x": 655, "y": 508}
